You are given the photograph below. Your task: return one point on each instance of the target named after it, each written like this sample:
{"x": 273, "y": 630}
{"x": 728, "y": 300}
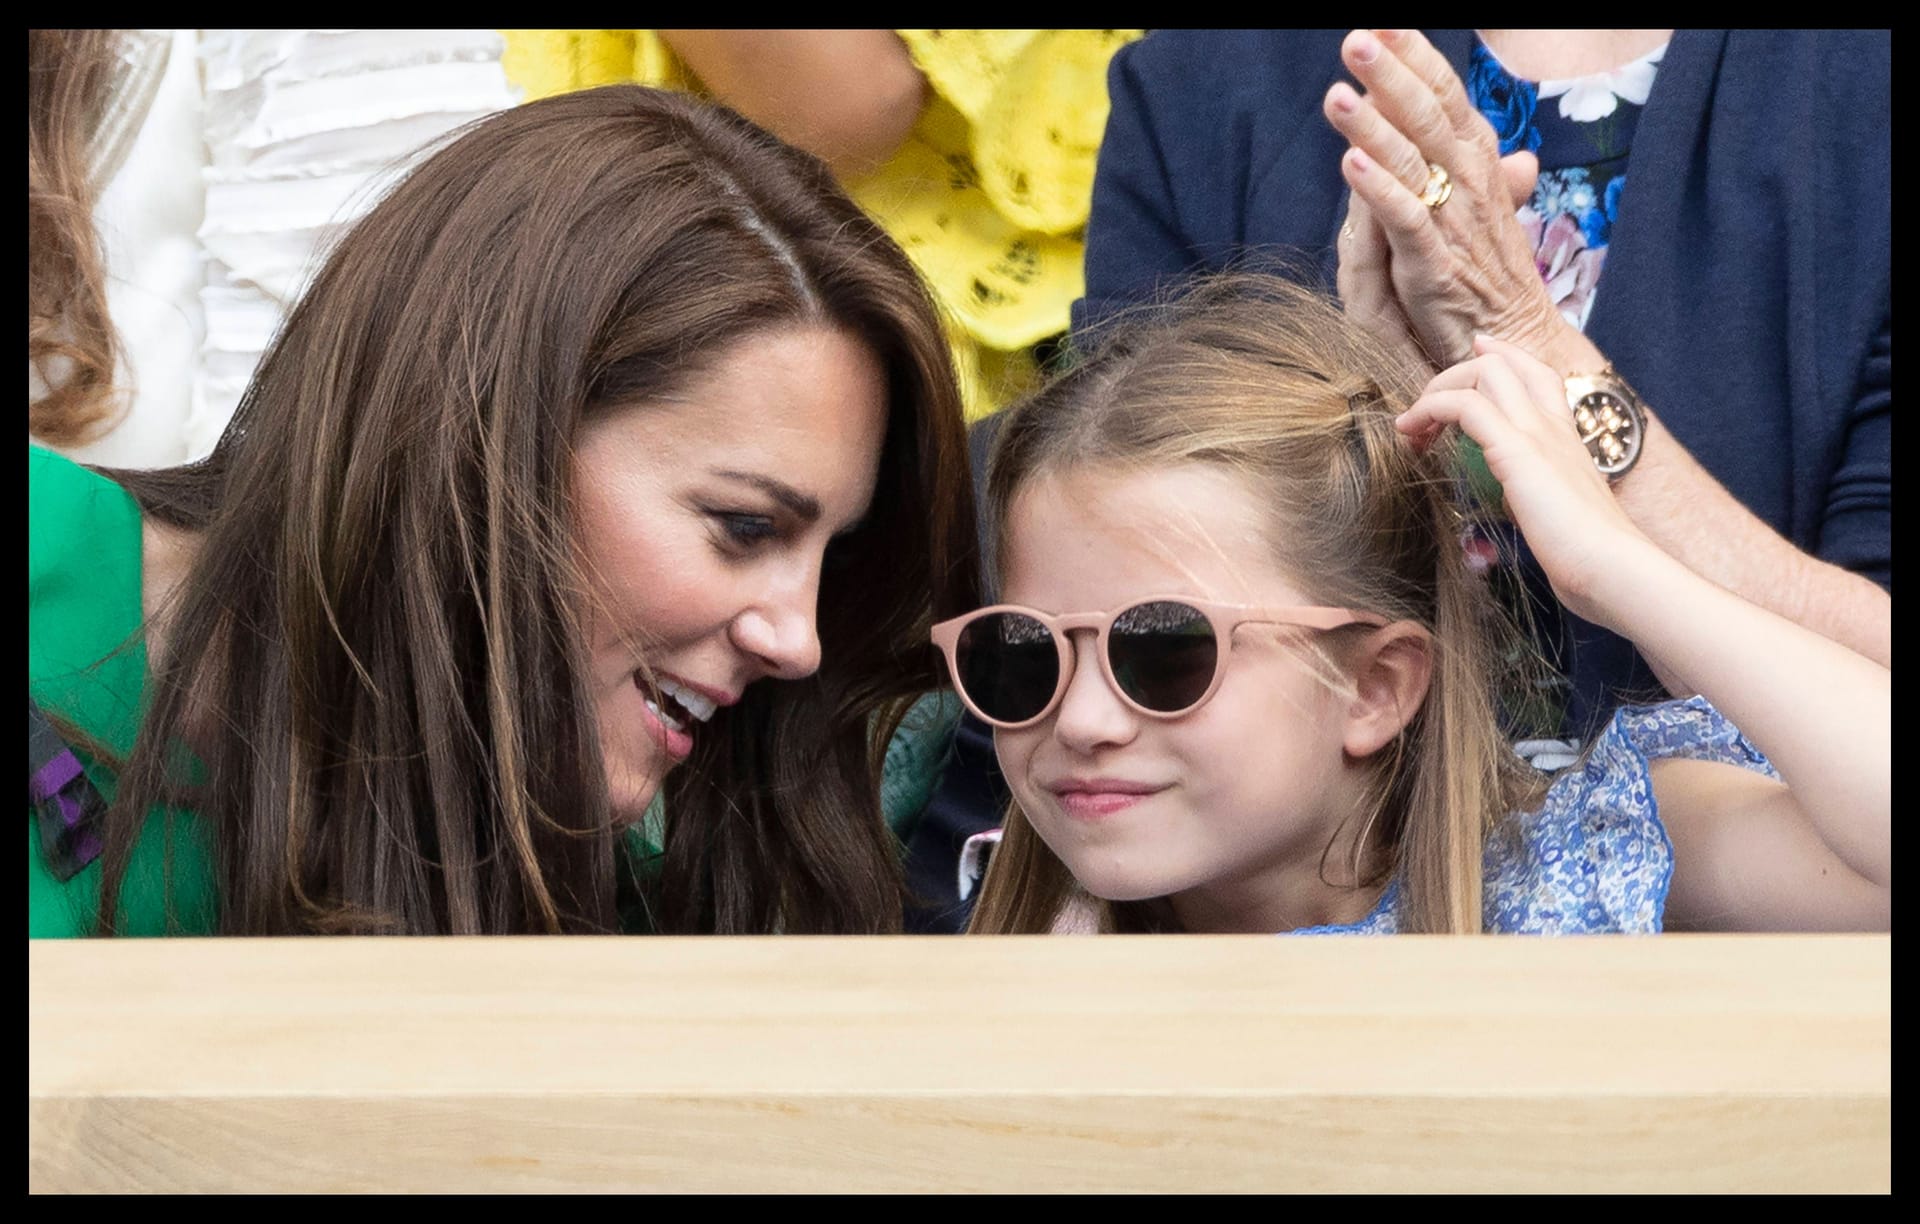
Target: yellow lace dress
{"x": 988, "y": 195}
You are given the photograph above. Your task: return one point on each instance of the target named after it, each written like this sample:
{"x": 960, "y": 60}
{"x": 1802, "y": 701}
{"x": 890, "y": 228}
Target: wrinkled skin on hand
{"x": 1432, "y": 278}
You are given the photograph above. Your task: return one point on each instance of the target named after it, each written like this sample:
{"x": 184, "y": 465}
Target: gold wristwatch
{"x": 1610, "y": 419}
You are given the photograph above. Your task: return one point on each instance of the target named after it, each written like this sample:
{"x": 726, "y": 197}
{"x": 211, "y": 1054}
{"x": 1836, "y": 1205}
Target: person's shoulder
{"x": 1841, "y": 78}
{"x": 1163, "y": 49}
{"x": 73, "y": 513}
{"x": 1205, "y": 114}
{"x": 50, "y": 471}
{"x": 83, "y": 589}
{"x": 1688, "y": 728}
{"x": 1841, "y": 52}
{"x": 1230, "y": 69}
{"x": 51, "y": 475}
{"x": 1596, "y": 855}
{"x": 1612, "y": 778}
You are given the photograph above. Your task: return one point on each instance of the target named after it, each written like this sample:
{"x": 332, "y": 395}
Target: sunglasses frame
{"x": 1225, "y": 619}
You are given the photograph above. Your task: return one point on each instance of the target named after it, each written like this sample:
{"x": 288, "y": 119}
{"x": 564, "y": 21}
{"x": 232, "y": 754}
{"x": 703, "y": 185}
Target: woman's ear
{"x": 1391, "y": 670}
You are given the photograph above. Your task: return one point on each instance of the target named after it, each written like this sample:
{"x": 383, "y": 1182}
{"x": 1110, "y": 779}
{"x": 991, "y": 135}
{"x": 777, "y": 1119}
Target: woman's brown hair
{"x": 71, "y": 343}
{"x": 1269, "y": 381}
{"x": 377, "y": 657}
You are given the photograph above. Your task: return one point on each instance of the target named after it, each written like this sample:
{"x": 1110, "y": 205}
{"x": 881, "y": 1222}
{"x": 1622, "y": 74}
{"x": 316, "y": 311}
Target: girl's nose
{"x": 1091, "y": 714}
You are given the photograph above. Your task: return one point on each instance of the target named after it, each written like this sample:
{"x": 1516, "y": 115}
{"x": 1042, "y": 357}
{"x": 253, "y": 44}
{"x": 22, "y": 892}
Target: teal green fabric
{"x": 87, "y": 665}
{"x": 915, "y": 758}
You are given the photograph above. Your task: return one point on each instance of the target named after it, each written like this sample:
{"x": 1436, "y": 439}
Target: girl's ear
{"x": 1391, "y": 670}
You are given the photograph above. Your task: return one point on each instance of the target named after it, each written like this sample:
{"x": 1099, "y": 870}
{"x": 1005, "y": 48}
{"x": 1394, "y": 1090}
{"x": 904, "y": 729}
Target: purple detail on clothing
{"x": 53, "y": 777}
{"x": 53, "y": 785}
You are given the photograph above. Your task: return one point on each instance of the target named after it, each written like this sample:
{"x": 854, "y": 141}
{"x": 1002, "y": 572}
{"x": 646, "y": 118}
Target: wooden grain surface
{"x": 1142, "y": 1063}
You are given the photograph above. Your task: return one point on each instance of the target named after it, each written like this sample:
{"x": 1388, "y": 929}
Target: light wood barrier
{"x": 1141, "y": 1063}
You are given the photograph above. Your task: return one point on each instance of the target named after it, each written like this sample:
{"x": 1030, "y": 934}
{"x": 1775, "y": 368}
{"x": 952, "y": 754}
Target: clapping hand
{"x": 1432, "y": 259}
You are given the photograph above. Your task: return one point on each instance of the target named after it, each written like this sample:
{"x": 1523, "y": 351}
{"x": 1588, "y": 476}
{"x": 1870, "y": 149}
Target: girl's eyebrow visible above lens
{"x": 805, "y": 508}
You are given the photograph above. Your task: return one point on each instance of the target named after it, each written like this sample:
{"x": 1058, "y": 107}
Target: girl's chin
{"x": 1111, "y": 884}
{"x": 1118, "y": 891}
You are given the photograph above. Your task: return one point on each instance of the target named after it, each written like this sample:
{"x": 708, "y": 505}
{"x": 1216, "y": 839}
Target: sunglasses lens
{"x": 1008, "y": 666}
{"x": 1163, "y": 655}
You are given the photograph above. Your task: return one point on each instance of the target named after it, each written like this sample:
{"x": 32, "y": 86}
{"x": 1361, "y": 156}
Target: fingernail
{"x": 1388, "y": 36}
{"x": 1361, "y": 163}
{"x": 1345, "y": 100}
{"x": 1366, "y": 48}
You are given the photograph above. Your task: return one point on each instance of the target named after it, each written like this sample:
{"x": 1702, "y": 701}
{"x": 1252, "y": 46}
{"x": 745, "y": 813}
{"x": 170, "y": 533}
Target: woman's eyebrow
{"x": 802, "y": 506}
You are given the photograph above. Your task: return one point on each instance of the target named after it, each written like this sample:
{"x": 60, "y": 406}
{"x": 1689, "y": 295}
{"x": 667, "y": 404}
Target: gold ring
{"x": 1439, "y": 186}
{"x": 1346, "y": 231}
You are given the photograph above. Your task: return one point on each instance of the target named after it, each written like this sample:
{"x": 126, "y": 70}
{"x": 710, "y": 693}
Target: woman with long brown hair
{"x": 614, "y": 455}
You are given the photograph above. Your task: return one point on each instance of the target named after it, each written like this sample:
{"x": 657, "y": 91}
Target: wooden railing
{"x": 1119, "y": 1063}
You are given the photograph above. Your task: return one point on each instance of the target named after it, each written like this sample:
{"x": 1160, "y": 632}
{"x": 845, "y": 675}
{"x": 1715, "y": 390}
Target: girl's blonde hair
{"x": 1262, "y": 378}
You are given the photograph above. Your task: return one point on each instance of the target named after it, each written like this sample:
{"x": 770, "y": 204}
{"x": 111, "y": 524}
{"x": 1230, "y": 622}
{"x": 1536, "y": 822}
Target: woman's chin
{"x": 629, "y": 798}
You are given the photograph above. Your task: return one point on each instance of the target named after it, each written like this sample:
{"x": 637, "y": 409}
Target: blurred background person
{"x": 975, "y": 149}
{"x": 182, "y": 185}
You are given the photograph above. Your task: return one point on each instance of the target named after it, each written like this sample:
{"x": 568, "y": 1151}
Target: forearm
{"x": 1687, "y": 512}
{"x": 849, "y": 97}
{"x": 1821, "y": 712}
{"x": 1683, "y": 509}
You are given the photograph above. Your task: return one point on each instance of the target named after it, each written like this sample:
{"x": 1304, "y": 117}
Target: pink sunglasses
{"x": 1164, "y": 655}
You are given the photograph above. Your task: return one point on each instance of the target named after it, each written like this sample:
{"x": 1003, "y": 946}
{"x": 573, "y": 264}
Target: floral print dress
{"x": 1581, "y": 130}
{"x": 1595, "y": 858}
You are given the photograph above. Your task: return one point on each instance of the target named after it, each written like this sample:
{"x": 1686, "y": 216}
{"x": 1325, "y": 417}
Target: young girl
{"x": 1241, "y": 679}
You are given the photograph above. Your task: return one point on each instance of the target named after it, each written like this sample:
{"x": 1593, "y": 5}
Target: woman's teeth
{"x": 696, "y": 705}
{"x": 676, "y": 706}
{"x": 665, "y": 718}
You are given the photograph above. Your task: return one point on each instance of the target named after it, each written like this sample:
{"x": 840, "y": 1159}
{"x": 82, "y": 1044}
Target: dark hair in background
{"x": 377, "y": 658}
{"x": 70, "y": 336}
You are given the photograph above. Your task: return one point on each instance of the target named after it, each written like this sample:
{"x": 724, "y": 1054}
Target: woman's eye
{"x": 746, "y": 529}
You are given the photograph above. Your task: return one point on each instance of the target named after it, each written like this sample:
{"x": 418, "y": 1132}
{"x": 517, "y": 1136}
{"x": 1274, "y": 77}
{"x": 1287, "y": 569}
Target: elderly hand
{"x": 1364, "y": 277}
{"x": 1364, "y": 282}
{"x": 1458, "y": 268}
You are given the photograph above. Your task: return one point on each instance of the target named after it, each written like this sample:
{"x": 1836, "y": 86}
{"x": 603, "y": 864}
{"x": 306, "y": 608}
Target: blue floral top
{"x": 1581, "y": 130}
{"x": 1595, "y": 858}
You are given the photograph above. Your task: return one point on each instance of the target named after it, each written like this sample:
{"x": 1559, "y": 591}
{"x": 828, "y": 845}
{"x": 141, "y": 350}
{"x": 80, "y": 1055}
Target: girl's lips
{"x": 1099, "y": 804}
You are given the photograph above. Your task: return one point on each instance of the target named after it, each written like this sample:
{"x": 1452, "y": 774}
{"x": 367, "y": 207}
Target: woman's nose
{"x": 782, "y": 634}
{"x": 1091, "y": 714}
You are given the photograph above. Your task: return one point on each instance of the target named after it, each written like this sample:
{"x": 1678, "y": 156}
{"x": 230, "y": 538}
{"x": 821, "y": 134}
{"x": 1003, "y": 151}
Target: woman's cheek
{"x": 631, "y": 760}
{"x": 1014, "y": 749}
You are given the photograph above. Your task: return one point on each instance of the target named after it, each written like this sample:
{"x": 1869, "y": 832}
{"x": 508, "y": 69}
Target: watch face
{"x": 1611, "y": 429}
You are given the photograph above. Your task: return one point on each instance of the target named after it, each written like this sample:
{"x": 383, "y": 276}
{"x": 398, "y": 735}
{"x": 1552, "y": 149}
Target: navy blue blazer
{"x": 1747, "y": 292}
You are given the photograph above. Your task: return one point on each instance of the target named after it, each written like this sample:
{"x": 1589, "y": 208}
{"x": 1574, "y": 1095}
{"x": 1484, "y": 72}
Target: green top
{"x": 87, "y": 664}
